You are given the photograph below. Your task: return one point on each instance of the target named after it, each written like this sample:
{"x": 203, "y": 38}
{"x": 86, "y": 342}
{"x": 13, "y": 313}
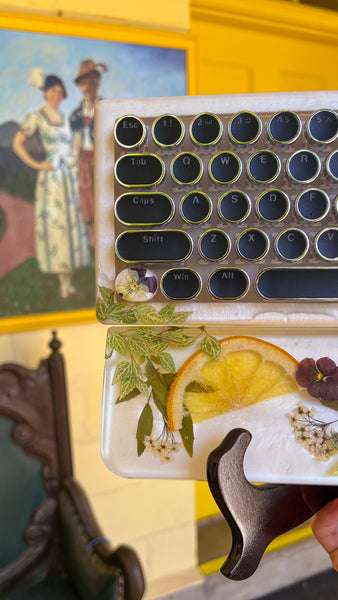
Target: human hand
{"x": 45, "y": 165}
{"x": 324, "y": 525}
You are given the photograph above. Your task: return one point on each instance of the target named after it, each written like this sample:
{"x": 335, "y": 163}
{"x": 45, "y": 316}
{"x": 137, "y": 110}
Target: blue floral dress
{"x": 61, "y": 242}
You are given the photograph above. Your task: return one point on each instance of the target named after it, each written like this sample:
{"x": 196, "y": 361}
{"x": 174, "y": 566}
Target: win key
{"x": 168, "y": 245}
{"x": 139, "y": 170}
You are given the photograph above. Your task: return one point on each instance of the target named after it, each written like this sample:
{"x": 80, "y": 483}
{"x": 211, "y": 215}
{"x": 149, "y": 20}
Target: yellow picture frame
{"x": 71, "y": 28}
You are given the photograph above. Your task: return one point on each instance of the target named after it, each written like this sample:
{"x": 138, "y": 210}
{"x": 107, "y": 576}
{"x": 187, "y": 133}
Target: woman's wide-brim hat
{"x": 89, "y": 68}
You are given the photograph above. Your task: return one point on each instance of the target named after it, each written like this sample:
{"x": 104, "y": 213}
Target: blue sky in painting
{"x": 134, "y": 71}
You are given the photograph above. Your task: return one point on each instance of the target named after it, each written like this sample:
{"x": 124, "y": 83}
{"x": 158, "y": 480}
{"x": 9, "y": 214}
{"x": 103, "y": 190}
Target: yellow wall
{"x": 241, "y": 47}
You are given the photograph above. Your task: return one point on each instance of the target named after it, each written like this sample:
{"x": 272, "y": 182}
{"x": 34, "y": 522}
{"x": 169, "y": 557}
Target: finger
{"x": 325, "y": 526}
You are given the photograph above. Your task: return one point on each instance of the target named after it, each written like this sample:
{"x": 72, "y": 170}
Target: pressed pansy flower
{"x": 320, "y": 378}
{"x": 136, "y": 285}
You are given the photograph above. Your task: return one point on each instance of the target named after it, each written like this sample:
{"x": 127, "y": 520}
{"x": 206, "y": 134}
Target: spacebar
{"x": 312, "y": 283}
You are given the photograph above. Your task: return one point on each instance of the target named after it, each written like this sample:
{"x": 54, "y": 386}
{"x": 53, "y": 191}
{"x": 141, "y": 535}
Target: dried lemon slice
{"x": 249, "y": 370}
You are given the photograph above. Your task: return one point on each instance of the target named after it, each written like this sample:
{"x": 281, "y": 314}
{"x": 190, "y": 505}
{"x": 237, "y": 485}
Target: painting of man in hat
{"x": 88, "y": 81}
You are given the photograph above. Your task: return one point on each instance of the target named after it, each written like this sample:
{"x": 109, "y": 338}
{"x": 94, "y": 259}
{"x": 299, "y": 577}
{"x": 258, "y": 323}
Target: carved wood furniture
{"x": 50, "y": 544}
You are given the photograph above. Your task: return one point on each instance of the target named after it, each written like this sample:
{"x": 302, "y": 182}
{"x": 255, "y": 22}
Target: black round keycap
{"x": 144, "y": 209}
{"x": 273, "y": 205}
{"x": 245, "y": 128}
{"x": 332, "y": 165}
{"x": 252, "y": 244}
{"x": 129, "y": 131}
{"x": 186, "y": 168}
{"x": 153, "y": 245}
{"x": 225, "y": 167}
{"x": 322, "y": 126}
{"x": 234, "y": 206}
{"x": 228, "y": 284}
{"x": 313, "y": 205}
{"x": 294, "y": 283}
{"x": 292, "y": 244}
{"x": 168, "y": 130}
{"x": 326, "y": 244}
{"x": 303, "y": 166}
{"x": 284, "y": 127}
{"x": 214, "y": 244}
{"x": 206, "y": 129}
{"x": 180, "y": 284}
{"x": 139, "y": 170}
{"x": 263, "y": 166}
{"x": 195, "y": 207}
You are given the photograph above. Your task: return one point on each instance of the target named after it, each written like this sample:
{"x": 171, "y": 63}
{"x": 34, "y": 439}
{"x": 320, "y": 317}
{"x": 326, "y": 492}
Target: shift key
{"x": 139, "y": 170}
{"x": 169, "y": 245}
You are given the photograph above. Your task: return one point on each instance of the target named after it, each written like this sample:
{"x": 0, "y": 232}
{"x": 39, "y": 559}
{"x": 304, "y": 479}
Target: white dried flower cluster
{"x": 312, "y": 433}
{"x": 163, "y": 446}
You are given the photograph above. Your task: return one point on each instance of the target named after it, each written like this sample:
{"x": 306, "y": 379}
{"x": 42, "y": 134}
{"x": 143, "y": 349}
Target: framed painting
{"x": 53, "y": 72}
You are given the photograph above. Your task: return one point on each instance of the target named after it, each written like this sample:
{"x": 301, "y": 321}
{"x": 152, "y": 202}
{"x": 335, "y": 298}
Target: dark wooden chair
{"x": 50, "y": 544}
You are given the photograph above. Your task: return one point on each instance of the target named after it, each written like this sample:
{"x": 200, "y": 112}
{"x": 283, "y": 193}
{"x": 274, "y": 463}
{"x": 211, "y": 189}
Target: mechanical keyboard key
{"x": 332, "y": 165}
{"x": 129, "y": 131}
{"x": 322, "y": 126}
{"x": 326, "y": 244}
{"x": 284, "y": 127}
{"x": 234, "y": 206}
{"x": 245, "y": 128}
{"x": 181, "y": 284}
{"x": 263, "y": 166}
{"x": 312, "y": 205}
{"x": 225, "y": 167}
{"x": 228, "y": 284}
{"x": 214, "y": 244}
{"x": 252, "y": 244}
{"x": 144, "y": 209}
{"x": 303, "y": 166}
{"x": 273, "y": 206}
{"x": 292, "y": 244}
{"x": 167, "y": 245}
{"x": 298, "y": 284}
{"x": 195, "y": 207}
{"x": 186, "y": 168}
{"x": 168, "y": 131}
{"x": 139, "y": 170}
{"x": 206, "y": 129}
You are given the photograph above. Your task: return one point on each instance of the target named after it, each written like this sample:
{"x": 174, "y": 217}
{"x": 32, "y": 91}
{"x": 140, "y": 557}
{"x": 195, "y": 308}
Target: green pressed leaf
{"x": 167, "y": 362}
{"x": 145, "y": 313}
{"x": 101, "y": 310}
{"x": 177, "y": 337}
{"x": 126, "y": 386}
{"x": 199, "y": 387}
{"x": 167, "y": 312}
{"x": 133, "y": 394}
{"x": 211, "y": 346}
{"x": 187, "y": 434}
{"x": 160, "y": 407}
{"x": 334, "y": 438}
{"x": 124, "y": 370}
{"x": 156, "y": 345}
{"x": 168, "y": 378}
{"x": 333, "y": 405}
{"x": 109, "y": 351}
{"x": 141, "y": 385}
{"x": 129, "y": 318}
{"x": 118, "y": 343}
{"x": 180, "y": 317}
{"x": 137, "y": 343}
{"x": 107, "y": 295}
{"x": 117, "y": 312}
{"x": 144, "y": 427}
{"x": 159, "y": 386}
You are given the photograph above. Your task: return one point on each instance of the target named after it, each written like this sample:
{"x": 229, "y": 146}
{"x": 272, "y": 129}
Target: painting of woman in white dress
{"x": 61, "y": 242}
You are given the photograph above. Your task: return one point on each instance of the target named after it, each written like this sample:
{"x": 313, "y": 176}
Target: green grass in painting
{"x": 26, "y": 290}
